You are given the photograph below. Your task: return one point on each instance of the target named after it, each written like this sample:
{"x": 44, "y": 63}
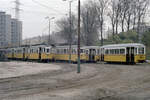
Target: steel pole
{"x": 70, "y": 35}
{"x": 78, "y": 67}
{"x": 49, "y": 31}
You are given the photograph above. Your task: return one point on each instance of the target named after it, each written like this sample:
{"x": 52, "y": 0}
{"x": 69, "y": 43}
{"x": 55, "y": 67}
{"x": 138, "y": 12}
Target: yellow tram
{"x": 47, "y": 53}
{"x": 123, "y": 53}
{"x": 62, "y": 53}
{"x": 92, "y": 53}
{"x": 40, "y": 53}
{"x": 9, "y": 54}
{"x": 126, "y": 53}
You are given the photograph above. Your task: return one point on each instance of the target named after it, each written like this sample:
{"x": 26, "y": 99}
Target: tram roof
{"x": 91, "y": 47}
{"x": 67, "y": 46}
{"x": 124, "y": 45}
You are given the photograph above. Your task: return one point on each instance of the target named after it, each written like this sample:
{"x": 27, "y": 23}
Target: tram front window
{"x": 141, "y": 50}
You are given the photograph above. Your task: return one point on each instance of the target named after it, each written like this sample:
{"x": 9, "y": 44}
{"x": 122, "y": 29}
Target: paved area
{"x": 59, "y": 81}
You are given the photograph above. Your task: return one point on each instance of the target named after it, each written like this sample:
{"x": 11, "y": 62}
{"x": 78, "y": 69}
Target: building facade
{"x": 10, "y": 31}
{"x": 16, "y": 32}
{"x": 5, "y": 29}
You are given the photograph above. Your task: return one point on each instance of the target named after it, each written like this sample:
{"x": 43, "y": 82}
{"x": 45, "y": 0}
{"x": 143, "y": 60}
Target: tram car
{"x": 125, "y": 53}
{"x": 2, "y": 54}
{"x": 18, "y": 53}
{"x": 9, "y": 54}
{"x": 34, "y": 53}
{"x": 92, "y": 53}
{"x": 40, "y": 53}
{"x": 47, "y": 53}
{"x": 62, "y": 53}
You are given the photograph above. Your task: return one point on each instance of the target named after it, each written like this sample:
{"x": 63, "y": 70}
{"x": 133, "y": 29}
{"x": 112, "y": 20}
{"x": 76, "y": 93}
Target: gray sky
{"x": 33, "y": 15}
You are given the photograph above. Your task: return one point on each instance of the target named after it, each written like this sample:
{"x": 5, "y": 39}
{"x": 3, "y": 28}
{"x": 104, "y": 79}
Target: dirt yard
{"x": 59, "y": 81}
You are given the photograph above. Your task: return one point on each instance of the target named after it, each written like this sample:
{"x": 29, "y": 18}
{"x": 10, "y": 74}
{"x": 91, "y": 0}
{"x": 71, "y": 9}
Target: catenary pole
{"x": 78, "y": 67}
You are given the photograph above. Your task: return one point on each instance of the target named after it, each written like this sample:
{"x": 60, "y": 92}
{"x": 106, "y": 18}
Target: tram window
{"x": 81, "y": 50}
{"x": 117, "y": 51}
{"x": 86, "y": 51}
{"x": 47, "y": 50}
{"x": 113, "y": 51}
{"x": 72, "y": 51}
{"x": 65, "y": 51}
{"x": 106, "y": 52}
{"x": 98, "y": 51}
{"x": 141, "y": 50}
{"x": 44, "y": 50}
{"x": 122, "y": 51}
{"x": 57, "y": 51}
{"x": 75, "y": 51}
{"x": 62, "y": 51}
{"x": 135, "y": 50}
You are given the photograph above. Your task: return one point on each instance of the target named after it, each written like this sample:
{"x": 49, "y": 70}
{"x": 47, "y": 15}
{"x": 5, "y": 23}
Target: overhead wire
{"x": 43, "y": 5}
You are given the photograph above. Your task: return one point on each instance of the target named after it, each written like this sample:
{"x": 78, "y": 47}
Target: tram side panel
{"x": 141, "y": 55}
{"x": 63, "y": 55}
{"x": 47, "y": 54}
{"x": 114, "y": 55}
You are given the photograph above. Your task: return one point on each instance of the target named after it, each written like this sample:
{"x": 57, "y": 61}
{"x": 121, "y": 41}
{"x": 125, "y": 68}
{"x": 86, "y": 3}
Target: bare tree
{"x": 141, "y": 10}
{"x": 63, "y": 26}
{"x": 89, "y": 23}
{"x": 134, "y": 8}
{"x": 117, "y": 14}
{"x": 112, "y": 14}
{"x": 101, "y": 9}
{"x": 129, "y": 13}
{"x": 123, "y": 12}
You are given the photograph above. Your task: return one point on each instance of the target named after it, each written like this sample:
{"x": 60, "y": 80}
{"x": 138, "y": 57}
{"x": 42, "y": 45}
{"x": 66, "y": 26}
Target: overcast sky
{"x": 33, "y": 15}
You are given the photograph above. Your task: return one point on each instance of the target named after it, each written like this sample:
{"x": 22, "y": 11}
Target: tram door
{"x": 23, "y": 53}
{"x": 92, "y": 53}
{"x": 102, "y": 54}
{"x": 130, "y": 55}
{"x": 40, "y": 51}
{"x": 13, "y": 53}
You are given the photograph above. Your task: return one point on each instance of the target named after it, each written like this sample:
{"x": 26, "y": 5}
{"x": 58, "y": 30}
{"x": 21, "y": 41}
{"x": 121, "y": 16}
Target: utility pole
{"x": 78, "y": 67}
{"x": 70, "y": 35}
{"x": 17, "y": 9}
{"x": 49, "y": 31}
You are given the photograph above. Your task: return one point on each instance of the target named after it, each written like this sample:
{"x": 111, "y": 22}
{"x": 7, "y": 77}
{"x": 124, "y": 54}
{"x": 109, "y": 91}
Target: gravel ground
{"x": 59, "y": 81}
{"x": 14, "y": 69}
